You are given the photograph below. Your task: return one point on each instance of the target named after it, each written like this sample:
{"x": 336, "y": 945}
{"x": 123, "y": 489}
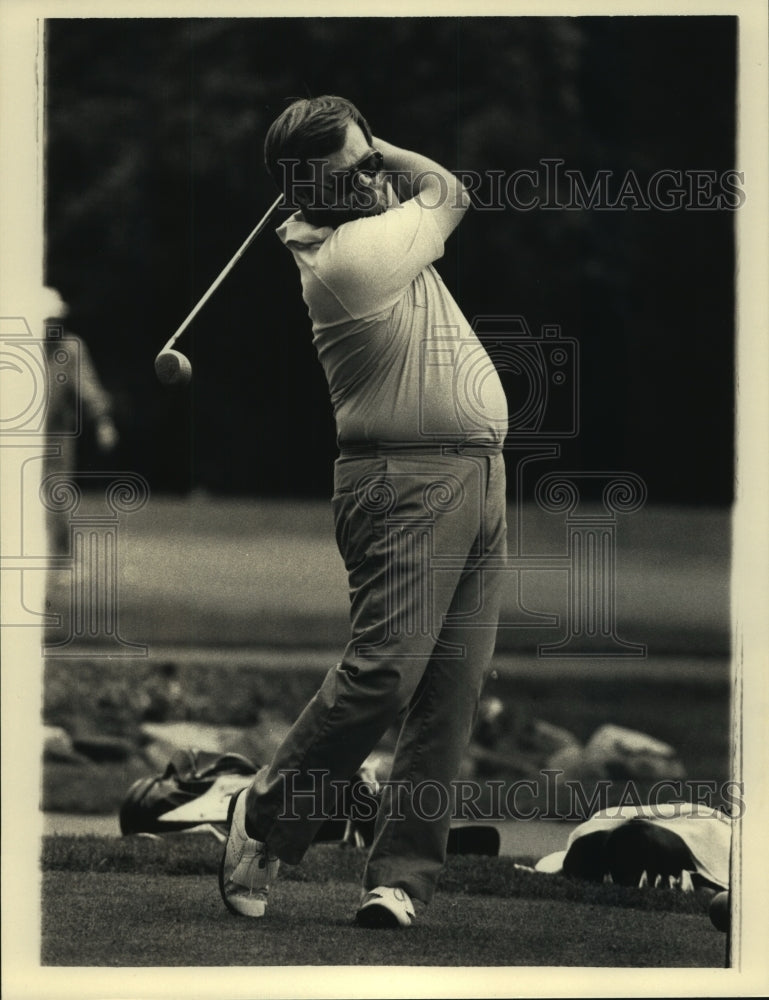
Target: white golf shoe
{"x": 246, "y": 869}
{"x": 385, "y": 907}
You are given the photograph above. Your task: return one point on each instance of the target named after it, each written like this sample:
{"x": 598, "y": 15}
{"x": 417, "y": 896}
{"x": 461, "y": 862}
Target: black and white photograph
{"x": 384, "y": 438}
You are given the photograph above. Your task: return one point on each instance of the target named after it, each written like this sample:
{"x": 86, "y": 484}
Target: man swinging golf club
{"x": 419, "y": 508}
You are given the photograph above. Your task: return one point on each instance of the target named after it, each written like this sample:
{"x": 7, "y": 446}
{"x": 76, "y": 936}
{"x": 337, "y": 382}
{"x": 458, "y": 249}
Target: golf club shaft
{"x": 248, "y": 241}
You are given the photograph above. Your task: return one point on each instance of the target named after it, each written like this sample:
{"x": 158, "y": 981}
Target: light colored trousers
{"x": 424, "y": 539}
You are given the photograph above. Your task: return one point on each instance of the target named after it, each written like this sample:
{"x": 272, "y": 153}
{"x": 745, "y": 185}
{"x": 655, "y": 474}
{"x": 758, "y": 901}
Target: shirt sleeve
{"x": 369, "y": 263}
{"x": 96, "y": 401}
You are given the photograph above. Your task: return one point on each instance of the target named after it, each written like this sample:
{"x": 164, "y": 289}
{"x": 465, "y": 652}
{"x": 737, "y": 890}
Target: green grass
{"x": 138, "y": 920}
{"x": 136, "y": 902}
{"x": 193, "y": 854}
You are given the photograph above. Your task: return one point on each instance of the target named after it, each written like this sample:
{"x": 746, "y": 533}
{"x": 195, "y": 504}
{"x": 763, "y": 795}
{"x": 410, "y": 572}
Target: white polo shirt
{"x": 403, "y": 365}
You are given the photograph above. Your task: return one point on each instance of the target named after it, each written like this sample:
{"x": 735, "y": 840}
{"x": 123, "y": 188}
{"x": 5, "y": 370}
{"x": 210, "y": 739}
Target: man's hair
{"x": 308, "y": 129}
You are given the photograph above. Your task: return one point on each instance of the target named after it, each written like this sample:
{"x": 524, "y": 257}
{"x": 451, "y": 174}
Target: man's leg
{"x": 382, "y": 507}
{"x": 379, "y": 507}
{"x": 409, "y": 849}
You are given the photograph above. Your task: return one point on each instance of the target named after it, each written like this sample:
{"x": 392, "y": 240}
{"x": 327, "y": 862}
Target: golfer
{"x": 419, "y": 507}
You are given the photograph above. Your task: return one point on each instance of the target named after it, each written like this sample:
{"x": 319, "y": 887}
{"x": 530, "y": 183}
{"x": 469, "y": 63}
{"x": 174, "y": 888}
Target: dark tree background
{"x": 155, "y": 176}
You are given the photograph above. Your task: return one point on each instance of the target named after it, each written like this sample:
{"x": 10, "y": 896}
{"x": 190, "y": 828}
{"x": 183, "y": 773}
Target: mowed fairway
{"x": 212, "y": 571}
{"x": 139, "y": 902}
{"x": 140, "y": 920}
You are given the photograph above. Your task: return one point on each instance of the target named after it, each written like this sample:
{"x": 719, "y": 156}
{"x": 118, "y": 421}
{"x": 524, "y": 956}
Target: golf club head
{"x": 173, "y": 368}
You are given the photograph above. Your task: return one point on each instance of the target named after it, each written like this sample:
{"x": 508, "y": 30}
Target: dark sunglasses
{"x": 369, "y": 166}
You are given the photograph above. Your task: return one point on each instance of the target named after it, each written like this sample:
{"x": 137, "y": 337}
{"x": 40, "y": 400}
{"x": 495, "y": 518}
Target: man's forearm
{"x": 424, "y": 176}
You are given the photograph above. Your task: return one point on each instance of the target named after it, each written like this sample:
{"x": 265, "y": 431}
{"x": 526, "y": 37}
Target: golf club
{"x": 174, "y": 368}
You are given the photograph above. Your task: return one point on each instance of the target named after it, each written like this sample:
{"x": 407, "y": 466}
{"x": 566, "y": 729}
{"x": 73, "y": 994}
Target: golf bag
{"x": 179, "y": 799}
{"x": 193, "y": 793}
{"x": 670, "y": 845}
{"x": 195, "y": 789}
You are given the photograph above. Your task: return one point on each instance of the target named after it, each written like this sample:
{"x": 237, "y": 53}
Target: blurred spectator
{"x": 76, "y": 401}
